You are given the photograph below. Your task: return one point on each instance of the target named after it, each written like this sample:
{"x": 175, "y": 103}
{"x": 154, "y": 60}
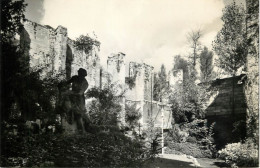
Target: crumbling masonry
{"x": 52, "y": 50}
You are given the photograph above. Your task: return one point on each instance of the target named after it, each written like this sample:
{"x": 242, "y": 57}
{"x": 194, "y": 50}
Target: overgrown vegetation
{"x": 240, "y": 154}
{"x": 85, "y": 43}
{"x": 194, "y": 138}
{"x": 97, "y": 149}
{"x": 132, "y": 116}
{"x": 104, "y": 110}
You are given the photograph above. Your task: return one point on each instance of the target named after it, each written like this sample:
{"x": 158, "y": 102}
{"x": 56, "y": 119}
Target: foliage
{"x": 132, "y": 115}
{"x": 160, "y": 88}
{"x": 193, "y": 39}
{"x": 152, "y": 136}
{"x": 240, "y": 154}
{"x": 176, "y": 135}
{"x": 189, "y": 102}
{"x": 12, "y": 13}
{"x": 187, "y": 148}
{"x": 252, "y": 80}
{"x": 130, "y": 81}
{"x": 102, "y": 149}
{"x": 85, "y": 43}
{"x": 206, "y": 66}
{"x": 196, "y": 132}
{"x": 13, "y": 63}
{"x": 230, "y": 43}
{"x": 105, "y": 109}
{"x": 203, "y": 134}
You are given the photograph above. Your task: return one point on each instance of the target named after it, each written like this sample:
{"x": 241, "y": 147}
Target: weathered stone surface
{"x": 222, "y": 103}
{"x": 54, "y": 52}
{"x": 252, "y": 82}
{"x": 116, "y": 73}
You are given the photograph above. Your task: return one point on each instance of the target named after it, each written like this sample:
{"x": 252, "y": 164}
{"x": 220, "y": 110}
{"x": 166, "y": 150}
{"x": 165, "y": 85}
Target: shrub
{"x": 105, "y": 109}
{"x": 240, "y": 154}
{"x": 100, "y": 149}
{"x": 132, "y": 115}
{"x": 177, "y": 135}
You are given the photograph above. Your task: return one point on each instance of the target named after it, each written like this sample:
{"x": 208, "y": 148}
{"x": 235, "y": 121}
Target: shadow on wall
{"x": 230, "y": 127}
{"x": 69, "y": 58}
{"x": 25, "y": 43}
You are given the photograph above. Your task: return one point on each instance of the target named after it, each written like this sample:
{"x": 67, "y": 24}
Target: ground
{"x": 171, "y": 160}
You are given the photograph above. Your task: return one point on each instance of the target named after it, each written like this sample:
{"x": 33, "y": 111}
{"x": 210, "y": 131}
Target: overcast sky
{"x": 149, "y": 31}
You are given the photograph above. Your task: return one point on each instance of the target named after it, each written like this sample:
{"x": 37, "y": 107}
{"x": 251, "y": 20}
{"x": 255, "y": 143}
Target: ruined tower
{"x": 116, "y": 75}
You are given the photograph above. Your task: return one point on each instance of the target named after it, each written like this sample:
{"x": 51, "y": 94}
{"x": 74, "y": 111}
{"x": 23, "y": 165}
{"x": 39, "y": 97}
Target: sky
{"x": 147, "y": 31}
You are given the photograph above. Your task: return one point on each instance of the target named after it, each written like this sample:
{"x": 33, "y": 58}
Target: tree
{"x": 13, "y": 64}
{"x": 230, "y": 43}
{"x": 206, "y": 64}
{"x": 12, "y": 13}
{"x": 193, "y": 39}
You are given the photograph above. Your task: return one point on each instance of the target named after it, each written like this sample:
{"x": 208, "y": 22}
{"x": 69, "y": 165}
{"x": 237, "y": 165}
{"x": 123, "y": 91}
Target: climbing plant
{"x": 85, "y": 43}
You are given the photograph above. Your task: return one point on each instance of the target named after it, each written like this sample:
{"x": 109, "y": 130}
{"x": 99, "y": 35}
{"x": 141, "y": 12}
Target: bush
{"x": 240, "y": 154}
{"x": 102, "y": 149}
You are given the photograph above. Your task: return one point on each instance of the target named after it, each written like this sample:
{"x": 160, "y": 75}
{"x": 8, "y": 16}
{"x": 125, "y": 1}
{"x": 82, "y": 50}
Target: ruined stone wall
{"x": 45, "y": 46}
{"x": 252, "y": 82}
{"x": 116, "y": 70}
{"x": 142, "y": 75}
{"x": 52, "y": 50}
{"x": 89, "y": 61}
{"x": 141, "y": 95}
{"x": 116, "y": 73}
{"x": 136, "y": 93}
{"x": 148, "y": 82}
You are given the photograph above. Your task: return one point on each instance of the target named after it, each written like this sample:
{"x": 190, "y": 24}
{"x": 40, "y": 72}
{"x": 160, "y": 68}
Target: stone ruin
{"x": 53, "y": 51}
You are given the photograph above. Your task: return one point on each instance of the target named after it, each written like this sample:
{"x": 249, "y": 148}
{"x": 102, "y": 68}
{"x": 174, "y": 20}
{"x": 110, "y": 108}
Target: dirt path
{"x": 172, "y": 161}
{"x": 211, "y": 163}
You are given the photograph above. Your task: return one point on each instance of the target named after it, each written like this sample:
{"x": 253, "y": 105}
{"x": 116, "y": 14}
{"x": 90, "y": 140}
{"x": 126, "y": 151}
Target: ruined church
{"x": 52, "y": 50}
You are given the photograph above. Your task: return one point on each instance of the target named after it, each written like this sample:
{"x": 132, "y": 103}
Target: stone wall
{"x": 142, "y": 75}
{"x": 222, "y": 104}
{"x": 45, "y": 47}
{"x": 252, "y": 82}
{"x": 52, "y": 50}
{"x": 220, "y": 110}
{"x": 116, "y": 73}
{"x": 89, "y": 61}
{"x": 116, "y": 70}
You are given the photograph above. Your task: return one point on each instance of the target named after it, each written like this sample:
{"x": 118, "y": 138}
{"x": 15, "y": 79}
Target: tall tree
{"x": 194, "y": 40}
{"x": 230, "y": 43}
{"x": 206, "y": 64}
